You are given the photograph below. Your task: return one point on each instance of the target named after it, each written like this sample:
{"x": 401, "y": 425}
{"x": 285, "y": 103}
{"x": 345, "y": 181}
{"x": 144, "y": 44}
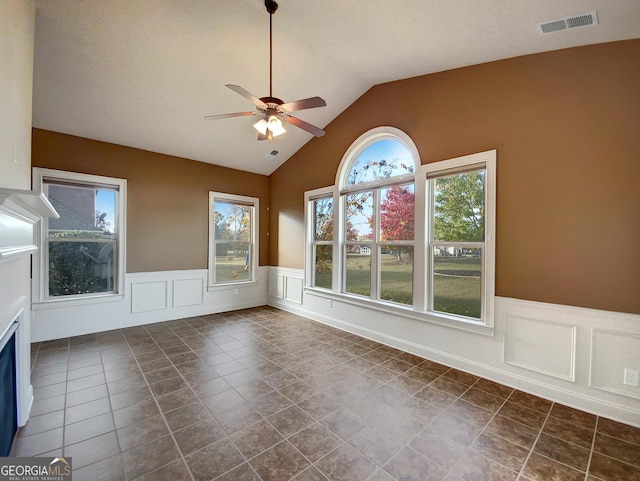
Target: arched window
{"x": 377, "y": 199}
{"x": 412, "y": 239}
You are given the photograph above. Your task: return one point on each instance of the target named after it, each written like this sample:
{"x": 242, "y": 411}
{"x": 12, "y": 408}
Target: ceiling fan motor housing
{"x": 271, "y": 6}
{"x": 272, "y": 100}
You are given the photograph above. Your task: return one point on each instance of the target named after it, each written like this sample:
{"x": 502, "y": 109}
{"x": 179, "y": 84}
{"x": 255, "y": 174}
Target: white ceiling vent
{"x": 271, "y": 155}
{"x": 584, "y": 20}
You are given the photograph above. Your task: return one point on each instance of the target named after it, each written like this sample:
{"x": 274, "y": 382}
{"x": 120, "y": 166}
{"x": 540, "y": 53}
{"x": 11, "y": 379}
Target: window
{"x": 378, "y": 207}
{"x": 233, "y": 238}
{"x": 82, "y": 253}
{"x": 412, "y": 239}
{"x": 456, "y": 241}
{"x": 322, "y": 244}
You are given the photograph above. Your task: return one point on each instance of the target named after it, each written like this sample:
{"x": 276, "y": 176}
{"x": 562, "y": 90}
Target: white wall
{"x": 571, "y": 355}
{"x": 17, "y": 20}
{"x": 149, "y": 297}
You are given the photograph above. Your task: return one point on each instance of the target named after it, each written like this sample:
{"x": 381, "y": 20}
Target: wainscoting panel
{"x": 149, "y": 296}
{"x": 276, "y": 286}
{"x": 607, "y": 371}
{"x": 541, "y": 346}
{"x": 294, "y": 286}
{"x": 188, "y": 292}
{"x": 286, "y": 285}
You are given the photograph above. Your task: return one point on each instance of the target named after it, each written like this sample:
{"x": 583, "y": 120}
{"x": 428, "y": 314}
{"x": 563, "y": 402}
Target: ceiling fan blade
{"x": 262, "y": 136}
{"x": 226, "y": 116}
{"x": 312, "y": 129}
{"x": 247, "y": 95}
{"x": 310, "y": 103}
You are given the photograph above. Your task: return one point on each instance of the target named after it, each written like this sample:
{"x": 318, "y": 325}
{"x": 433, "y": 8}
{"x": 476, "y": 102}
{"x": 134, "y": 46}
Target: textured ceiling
{"x": 144, "y": 73}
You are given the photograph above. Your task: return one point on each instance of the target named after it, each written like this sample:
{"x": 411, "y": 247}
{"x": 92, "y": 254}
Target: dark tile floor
{"x": 262, "y": 394}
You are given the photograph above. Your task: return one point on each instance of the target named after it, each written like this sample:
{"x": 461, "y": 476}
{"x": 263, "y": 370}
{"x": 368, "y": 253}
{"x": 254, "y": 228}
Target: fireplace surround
{"x": 20, "y": 210}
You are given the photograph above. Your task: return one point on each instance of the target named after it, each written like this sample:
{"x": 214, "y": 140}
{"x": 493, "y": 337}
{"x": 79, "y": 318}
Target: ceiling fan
{"x": 273, "y": 110}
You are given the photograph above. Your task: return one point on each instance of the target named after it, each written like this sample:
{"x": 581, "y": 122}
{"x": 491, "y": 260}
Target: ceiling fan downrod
{"x": 271, "y": 9}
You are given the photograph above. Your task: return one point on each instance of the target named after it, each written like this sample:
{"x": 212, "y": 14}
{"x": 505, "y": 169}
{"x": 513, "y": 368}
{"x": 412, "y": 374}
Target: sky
{"x": 106, "y": 203}
{"x": 387, "y": 149}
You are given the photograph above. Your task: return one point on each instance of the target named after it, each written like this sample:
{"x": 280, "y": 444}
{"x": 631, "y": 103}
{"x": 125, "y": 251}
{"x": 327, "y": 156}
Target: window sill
{"x": 398, "y": 310}
{"x": 231, "y": 286}
{"x": 76, "y": 301}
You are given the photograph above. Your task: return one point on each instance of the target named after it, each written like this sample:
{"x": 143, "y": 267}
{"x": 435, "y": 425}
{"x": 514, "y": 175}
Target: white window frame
{"x": 486, "y": 160}
{"x": 41, "y": 298}
{"x": 254, "y": 249}
{"x": 421, "y": 309}
{"x": 309, "y": 212}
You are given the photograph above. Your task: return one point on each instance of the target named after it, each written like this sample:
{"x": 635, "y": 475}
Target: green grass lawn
{"x": 456, "y": 288}
{"x": 228, "y": 266}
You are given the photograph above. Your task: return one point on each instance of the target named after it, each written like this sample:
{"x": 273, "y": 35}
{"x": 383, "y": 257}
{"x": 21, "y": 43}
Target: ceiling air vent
{"x": 583, "y": 20}
{"x": 271, "y": 155}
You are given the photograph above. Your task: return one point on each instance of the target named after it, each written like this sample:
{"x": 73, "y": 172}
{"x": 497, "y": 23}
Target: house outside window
{"x": 232, "y": 239}
{"x": 81, "y": 254}
{"x": 417, "y": 240}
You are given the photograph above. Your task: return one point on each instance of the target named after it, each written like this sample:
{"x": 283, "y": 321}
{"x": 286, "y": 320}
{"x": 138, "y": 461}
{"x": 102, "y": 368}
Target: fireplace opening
{"x": 8, "y": 398}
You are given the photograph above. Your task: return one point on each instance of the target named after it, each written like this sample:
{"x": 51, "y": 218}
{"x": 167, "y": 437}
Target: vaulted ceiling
{"x": 145, "y": 73}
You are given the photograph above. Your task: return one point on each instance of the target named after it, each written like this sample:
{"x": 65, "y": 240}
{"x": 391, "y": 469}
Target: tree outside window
{"x": 232, "y": 232}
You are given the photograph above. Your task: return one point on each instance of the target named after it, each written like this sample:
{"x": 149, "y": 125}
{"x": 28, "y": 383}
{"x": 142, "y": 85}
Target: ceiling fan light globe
{"x": 261, "y": 126}
{"x": 275, "y": 126}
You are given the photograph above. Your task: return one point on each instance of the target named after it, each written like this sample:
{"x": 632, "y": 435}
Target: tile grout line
{"x": 66, "y": 391}
{"x": 593, "y": 445}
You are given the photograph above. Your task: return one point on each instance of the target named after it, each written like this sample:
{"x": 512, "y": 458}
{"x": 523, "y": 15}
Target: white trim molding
{"x": 574, "y": 356}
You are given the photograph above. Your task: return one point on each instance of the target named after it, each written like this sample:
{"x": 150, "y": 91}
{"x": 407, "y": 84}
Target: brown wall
{"x": 167, "y": 208}
{"x": 566, "y": 125}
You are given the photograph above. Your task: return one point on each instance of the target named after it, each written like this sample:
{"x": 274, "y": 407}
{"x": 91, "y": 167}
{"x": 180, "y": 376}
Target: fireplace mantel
{"x": 19, "y": 211}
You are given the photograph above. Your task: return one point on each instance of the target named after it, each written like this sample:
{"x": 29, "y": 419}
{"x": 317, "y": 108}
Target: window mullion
{"x": 429, "y": 199}
{"x": 341, "y": 248}
{"x": 419, "y": 266}
{"x": 375, "y": 257}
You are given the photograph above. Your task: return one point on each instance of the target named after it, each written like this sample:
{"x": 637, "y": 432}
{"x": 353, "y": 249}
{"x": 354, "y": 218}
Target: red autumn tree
{"x": 397, "y": 213}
